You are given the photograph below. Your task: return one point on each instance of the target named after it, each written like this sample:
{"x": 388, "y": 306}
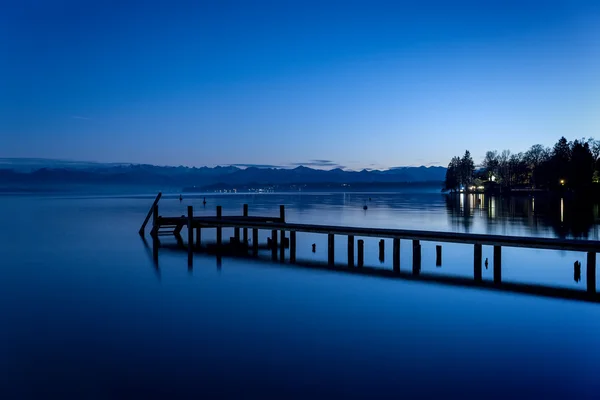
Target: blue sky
{"x": 356, "y": 84}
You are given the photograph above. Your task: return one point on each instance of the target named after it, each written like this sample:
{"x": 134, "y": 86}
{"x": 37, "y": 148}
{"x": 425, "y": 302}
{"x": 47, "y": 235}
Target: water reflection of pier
{"x": 509, "y": 287}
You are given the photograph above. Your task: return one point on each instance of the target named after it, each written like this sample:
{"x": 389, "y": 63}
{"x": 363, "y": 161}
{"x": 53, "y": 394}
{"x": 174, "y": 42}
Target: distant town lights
{"x": 562, "y": 181}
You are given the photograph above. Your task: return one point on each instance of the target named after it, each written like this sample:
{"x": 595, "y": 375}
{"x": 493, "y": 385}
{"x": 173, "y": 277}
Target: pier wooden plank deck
{"x": 279, "y": 241}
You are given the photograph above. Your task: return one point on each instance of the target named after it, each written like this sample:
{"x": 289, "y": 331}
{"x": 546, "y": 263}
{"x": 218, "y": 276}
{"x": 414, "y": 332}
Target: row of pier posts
{"x": 279, "y": 237}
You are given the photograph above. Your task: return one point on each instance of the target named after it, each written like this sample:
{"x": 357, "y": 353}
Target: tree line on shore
{"x": 573, "y": 165}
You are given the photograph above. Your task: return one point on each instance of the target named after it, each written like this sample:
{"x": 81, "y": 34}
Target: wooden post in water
{"x": 154, "y": 231}
{"x": 282, "y": 213}
{"x": 497, "y": 264}
{"x": 477, "y": 256}
{"x": 591, "y": 272}
{"x": 245, "y": 231}
{"x": 361, "y": 252}
{"x": 438, "y": 255}
{"x": 255, "y": 241}
{"x": 274, "y": 244}
{"x": 382, "y": 250}
{"x": 143, "y": 227}
{"x": 350, "y": 251}
{"x": 236, "y": 235}
{"x": 330, "y": 249}
{"x": 416, "y": 257}
{"x": 190, "y": 228}
{"x": 219, "y": 229}
{"x": 396, "y": 254}
{"x": 292, "y": 247}
{"x": 282, "y": 247}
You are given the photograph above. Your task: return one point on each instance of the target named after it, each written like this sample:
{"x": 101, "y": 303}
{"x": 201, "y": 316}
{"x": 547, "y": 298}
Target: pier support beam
{"x": 282, "y": 213}
{"x": 292, "y": 247}
{"x": 381, "y": 250}
{"x": 361, "y": 252}
{"x": 154, "y": 231}
{"x": 591, "y": 272}
{"x": 255, "y": 241}
{"x": 236, "y": 235}
{"x": 497, "y": 264}
{"x": 416, "y": 257}
{"x": 477, "y": 256}
{"x": 190, "y": 220}
{"x": 274, "y": 244}
{"x": 245, "y": 231}
{"x": 396, "y": 254}
{"x": 282, "y": 247}
{"x": 330, "y": 249}
{"x": 219, "y": 229}
{"x": 350, "y": 251}
{"x": 438, "y": 255}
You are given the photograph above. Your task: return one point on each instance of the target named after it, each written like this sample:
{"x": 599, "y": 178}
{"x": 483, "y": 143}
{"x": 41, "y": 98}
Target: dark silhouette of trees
{"x": 467, "y": 167}
{"x": 567, "y": 165}
{"x": 453, "y": 174}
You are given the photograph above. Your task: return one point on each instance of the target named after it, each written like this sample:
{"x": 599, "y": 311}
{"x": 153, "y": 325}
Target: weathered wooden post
{"x": 154, "y": 231}
{"x": 591, "y": 272}
{"x": 143, "y": 227}
{"x": 477, "y": 256}
{"x": 497, "y": 264}
{"x": 274, "y": 244}
{"x": 438, "y": 255}
{"x": 292, "y": 247}
{"x": 416, "y": 257}
{"x": 382, "y": 250}
{"x": 350, "y": 251}
{"x": 361, "y": 252}
{"x": 330, "y": 249}
{"x": 236, "y": 235}
{"x": 282, "y": 247}
{"x": 245, "y": 231}
{"x": 396, "y": 254}
{"x": 255, "y": 241}
{"x": 219, "y": 229}
{"x": 190, "y": 221}
{"x": 282, "y": 213}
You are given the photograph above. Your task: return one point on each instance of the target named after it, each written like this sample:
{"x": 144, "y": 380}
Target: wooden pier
{"x": 283, "y": 235}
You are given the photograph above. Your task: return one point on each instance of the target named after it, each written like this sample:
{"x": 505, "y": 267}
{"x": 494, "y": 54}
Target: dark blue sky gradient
{"x": 362, "y": 84}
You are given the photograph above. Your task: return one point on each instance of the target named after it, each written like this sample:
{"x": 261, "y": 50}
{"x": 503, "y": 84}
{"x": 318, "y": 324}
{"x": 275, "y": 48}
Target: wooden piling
{"x": 438, "y": 255}
{"x": 245, "y": 231}
{"x": 154, "y": 231}
{"x": 361, "y": 252}
{"x": 382, "y": 250}
{"x": 219, "y": 229}
{"x": 190, "y": 228}
{"x": 282, "y": 247}
{"x": 255, "y": 241}
{"x": 292, "y": 247}
{"x": 274, "y": 244}
{"x": 152, "y": 212}
{"x": 416, "y": 257}
{"x": 396, "y": 254}
{"x": 330, "y": 249}
{"x": 497, "y": 264}
{"x": 350, "y": 251}
{"x": 236, "y": 235}
{"x": 282, "y": 213}
{"x": 591, "y": 272}
{"x": 477, "y": 256}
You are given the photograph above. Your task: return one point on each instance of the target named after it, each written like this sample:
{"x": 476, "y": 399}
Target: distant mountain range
{"x": 35, "y": 172}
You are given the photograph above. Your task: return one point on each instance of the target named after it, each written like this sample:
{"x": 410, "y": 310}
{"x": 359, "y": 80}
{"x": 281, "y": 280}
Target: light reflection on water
{"x": 85, "y": 311}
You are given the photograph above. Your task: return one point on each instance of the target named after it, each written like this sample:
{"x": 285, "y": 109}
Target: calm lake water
{"x": 85, "y": 313}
